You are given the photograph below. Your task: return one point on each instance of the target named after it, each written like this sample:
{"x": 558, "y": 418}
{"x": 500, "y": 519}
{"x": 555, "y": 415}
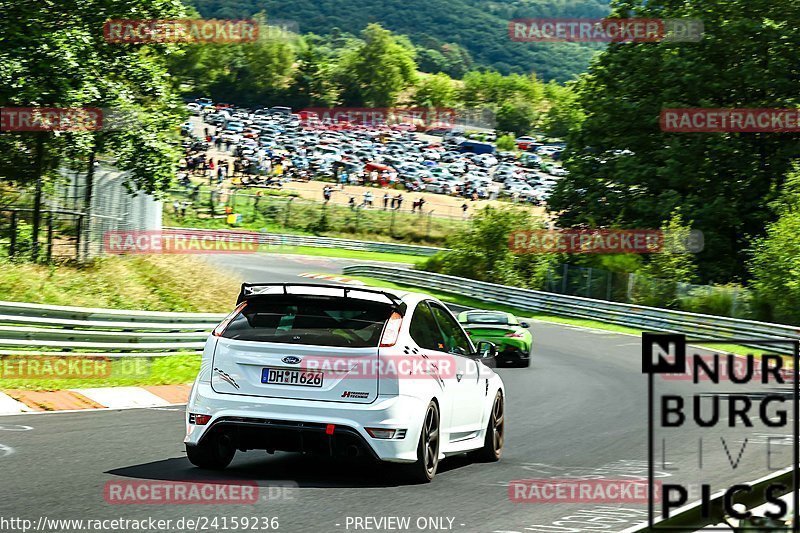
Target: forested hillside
{"x": 478, "y": 26}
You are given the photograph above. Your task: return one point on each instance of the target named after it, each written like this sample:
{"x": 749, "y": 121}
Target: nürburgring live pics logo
{"x": 684, "y": 410}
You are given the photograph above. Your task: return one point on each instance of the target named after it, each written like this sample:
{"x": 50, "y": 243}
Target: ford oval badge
{"x": 291, "y": 360}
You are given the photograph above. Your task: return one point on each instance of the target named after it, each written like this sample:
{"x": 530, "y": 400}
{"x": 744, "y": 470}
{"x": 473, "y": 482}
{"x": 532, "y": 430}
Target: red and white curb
{"x": 18, "y": 401}
{"x": 9, "y": 405}
{"x": 331, "y": 277}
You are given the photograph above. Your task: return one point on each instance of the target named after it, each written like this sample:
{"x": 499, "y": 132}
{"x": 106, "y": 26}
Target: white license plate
{"x": 281, "y": 376}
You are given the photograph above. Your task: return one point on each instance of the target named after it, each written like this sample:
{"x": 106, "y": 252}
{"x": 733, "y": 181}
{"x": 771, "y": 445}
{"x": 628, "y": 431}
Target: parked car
{"x": 476, "y": 147}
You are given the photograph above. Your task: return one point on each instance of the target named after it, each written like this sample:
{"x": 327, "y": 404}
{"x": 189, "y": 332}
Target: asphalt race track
{"x": 580, "y": 410}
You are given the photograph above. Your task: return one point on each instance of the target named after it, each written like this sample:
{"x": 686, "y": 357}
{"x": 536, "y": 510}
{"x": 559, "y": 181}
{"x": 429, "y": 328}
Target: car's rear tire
{"x": 495, "y": 433}
{"x": 213, "y": 453}
{"x": 424, "y": 468}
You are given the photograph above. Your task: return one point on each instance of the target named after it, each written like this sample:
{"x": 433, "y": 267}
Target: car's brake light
{"x": 220, "y": 329}
{"x": 379, "y": 433}
{"x": 392, "y": 330}
{"x": 199, "y": 420}
{"x": 514, "y": 334}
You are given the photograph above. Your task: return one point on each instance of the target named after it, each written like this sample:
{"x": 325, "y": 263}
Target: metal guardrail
{"x": 279, "y": 239}
{"x": 54, "y": 330}
{"x": 23, "y": 309}
{"x": 645, "y": 318}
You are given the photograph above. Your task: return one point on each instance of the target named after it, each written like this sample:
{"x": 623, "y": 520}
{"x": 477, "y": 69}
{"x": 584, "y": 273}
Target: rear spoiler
{"x": 254, "y": 290}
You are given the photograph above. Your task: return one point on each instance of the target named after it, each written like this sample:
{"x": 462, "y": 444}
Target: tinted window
{"x": 321, "y": 321}
{"x": 455, "y": 340}
{"x": 487, "y": 318}
{"x": 424, "y": 329}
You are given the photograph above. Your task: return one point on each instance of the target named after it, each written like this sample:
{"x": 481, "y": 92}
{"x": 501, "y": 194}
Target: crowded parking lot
{"x": 271, "y": 146}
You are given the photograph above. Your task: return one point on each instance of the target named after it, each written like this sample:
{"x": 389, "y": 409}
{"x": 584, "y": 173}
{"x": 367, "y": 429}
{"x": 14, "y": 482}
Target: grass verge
{"x": 150, "y": 283}
{"x": 40, "y": 373}
{"x": 344, "y": 253}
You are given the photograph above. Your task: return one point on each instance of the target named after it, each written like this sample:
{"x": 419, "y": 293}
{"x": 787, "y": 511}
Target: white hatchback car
{"x": 344, "y": 371}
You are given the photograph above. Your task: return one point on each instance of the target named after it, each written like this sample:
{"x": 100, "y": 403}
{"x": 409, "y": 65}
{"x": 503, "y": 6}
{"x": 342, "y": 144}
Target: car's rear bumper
{"x": 512, "y": 355}
{"x": 303, "y": 425}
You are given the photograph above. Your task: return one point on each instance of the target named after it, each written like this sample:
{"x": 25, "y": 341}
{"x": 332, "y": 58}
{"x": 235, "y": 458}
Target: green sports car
{"x": 511, "y": 336}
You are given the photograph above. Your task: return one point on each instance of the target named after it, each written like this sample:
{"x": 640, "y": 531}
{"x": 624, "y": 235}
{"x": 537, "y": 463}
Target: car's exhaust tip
{"x": 353, "y": 451}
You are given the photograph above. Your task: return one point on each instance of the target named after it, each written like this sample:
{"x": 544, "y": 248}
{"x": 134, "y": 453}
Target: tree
{"x": 57, "y": 57}
{"x": 250, "y": 73}
{"x": 375, "y": 73}
{"x": 564, "y": 114}
{"x": 506, "y": 142}
{"x": 436, "y": 90}
{"x": 624, "y": 170}
{"x": 776, "y": 257}
{"x": 665, "y": 270}
{"x": 516, "y": 116}
{"x": 312, "y": 82}
{"x": 482, "y": 252}
{"x": 450, "y": 59}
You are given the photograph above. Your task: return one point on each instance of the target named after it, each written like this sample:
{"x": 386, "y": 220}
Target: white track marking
{"x": 15, "y": 427}
{"x": 5, "y": 451}
{"x": 116, "y": 397}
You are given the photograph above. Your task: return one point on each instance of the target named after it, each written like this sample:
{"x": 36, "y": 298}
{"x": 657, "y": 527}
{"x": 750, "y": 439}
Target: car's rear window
{"x": 314, "y": 320}
{"x": 487, "y": 318}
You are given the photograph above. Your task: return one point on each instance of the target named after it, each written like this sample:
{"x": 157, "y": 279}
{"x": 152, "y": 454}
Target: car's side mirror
{"x": 524, "y": 325}
{"x": 486, "y": 350}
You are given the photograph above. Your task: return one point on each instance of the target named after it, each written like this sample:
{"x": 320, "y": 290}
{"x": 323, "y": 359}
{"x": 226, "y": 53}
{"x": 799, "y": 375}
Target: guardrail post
{"x": 430, "y": 221}
{"x": 288, "y": 212}
{"x": 589, "y": 283}
{"x": 255, "y": 206}
{"x": 629, "y": 293}
{"x": 12, "y": 245}
{"x": 78, "y": 234}
{"x": 50, "y": 237}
